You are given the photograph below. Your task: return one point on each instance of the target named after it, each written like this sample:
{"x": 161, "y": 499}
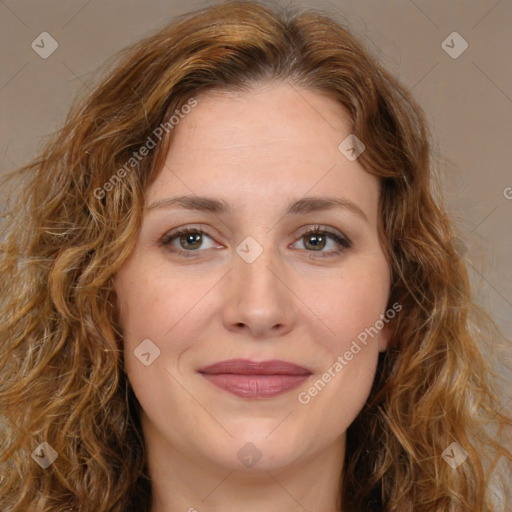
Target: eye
{"x": 190, "y": 239}
{"x": 316, "y": 239}
{"x": 187, "y": 241}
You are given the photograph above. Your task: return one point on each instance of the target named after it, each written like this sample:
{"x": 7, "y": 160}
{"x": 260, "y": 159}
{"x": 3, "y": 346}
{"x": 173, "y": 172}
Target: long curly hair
{"x": 74, "y": 221}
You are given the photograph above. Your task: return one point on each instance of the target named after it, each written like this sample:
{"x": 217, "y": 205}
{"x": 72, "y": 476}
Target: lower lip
{"x": 256, "y": 386}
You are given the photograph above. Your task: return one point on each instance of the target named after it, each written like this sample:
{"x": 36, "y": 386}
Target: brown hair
{"x": 62, "y": 378}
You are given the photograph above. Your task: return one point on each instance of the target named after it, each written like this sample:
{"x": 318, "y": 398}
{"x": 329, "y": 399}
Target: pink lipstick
{"x": 252, "y": 379}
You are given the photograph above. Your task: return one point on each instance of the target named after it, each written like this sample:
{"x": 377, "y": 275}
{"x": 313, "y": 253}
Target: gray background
{"x": 468, "y": 99}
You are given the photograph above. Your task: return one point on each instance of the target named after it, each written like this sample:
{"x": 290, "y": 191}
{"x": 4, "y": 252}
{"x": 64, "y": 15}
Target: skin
{"x": 258, "y": 151}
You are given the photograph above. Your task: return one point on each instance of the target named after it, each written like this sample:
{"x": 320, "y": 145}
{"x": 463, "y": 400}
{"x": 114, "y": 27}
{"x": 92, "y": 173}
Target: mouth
{"x": 253, "y": 379}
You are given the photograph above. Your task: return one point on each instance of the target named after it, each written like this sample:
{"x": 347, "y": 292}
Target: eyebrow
{"x": 221, "y": 207}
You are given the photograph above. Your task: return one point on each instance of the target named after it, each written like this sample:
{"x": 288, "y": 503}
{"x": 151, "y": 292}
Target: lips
{"x": 247, "y": 367}
{"x": 253, "y": 379}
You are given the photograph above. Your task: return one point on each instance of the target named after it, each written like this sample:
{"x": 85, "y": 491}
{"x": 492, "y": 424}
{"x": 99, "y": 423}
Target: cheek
{"x": 154, "y": 323}
{"x": 155, "y": 306}
{"x": 351, "y": 304}
{"x": 351, "y": 307}
{"x": 151, "y": 302}
{"x": 344, "y": 380}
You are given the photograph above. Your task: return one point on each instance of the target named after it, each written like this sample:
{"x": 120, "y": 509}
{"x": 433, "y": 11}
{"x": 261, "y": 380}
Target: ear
{"x": 384, "y": 337}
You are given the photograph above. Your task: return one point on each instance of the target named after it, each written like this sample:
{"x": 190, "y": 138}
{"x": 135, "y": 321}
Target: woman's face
{"x": 256, "y": 171}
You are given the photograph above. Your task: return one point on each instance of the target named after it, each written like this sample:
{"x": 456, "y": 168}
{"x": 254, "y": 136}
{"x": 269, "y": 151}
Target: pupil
{"x": 318, "y": 241}
{"x": 194, "y": 239}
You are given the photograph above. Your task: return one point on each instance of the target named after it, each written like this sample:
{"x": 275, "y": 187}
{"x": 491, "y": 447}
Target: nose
{"x": 258, "y": 299}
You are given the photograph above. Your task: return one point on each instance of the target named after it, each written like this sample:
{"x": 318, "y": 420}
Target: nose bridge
{"x": 255, "y": 272}
{"x": 257, "y": 296}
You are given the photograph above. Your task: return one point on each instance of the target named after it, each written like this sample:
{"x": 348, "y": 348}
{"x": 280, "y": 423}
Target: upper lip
{"x": 248, "y": 367}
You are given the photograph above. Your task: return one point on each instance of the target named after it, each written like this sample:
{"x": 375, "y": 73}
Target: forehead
{"x": 267, "y": 113}
{"x": 275, "y": 140}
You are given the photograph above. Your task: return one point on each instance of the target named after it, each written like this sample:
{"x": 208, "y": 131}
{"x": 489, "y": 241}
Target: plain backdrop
{"x": 468, "y": 99}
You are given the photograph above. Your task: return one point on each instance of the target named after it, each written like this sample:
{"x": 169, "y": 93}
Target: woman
{"x": 231, "y": 287}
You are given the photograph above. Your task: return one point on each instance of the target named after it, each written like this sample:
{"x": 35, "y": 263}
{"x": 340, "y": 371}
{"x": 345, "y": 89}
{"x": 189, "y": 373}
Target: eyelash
{"x": 342, "y": 241}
